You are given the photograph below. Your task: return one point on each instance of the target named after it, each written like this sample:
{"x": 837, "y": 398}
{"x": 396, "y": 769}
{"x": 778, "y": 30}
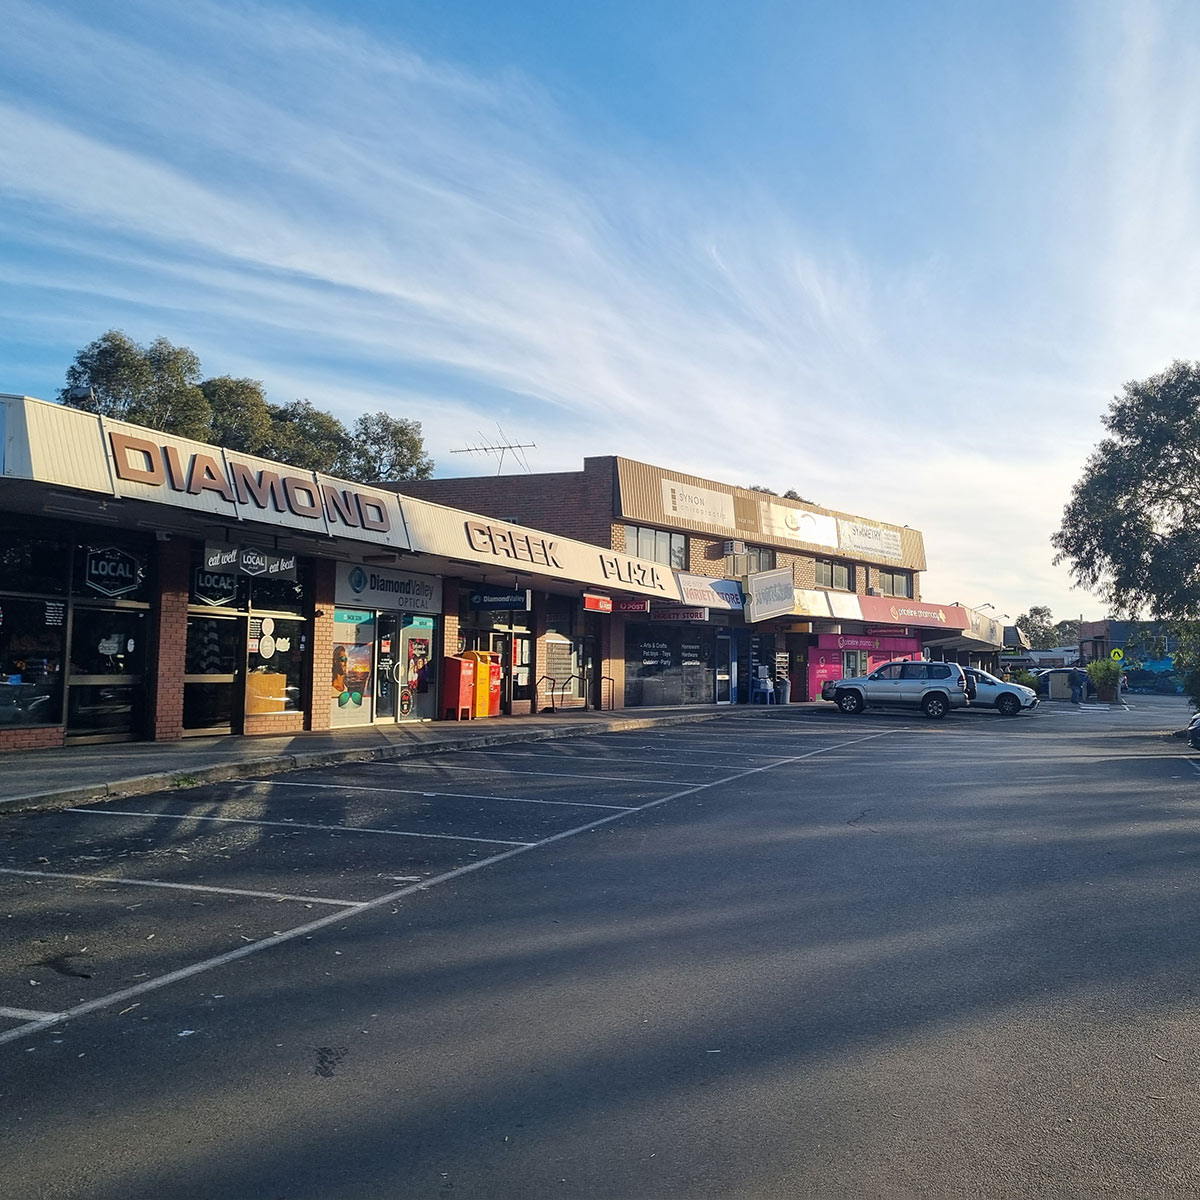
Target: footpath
{"x": 56, "y": 778}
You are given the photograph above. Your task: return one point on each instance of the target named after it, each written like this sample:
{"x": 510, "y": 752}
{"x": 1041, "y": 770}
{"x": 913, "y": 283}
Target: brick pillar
{"x": 450, "y": 623}
{"x": 167, "y": 654}
{"x": 321, "y": 659}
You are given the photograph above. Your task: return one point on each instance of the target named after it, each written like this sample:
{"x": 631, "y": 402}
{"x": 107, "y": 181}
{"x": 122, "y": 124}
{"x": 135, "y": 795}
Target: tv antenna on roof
{"x": 500, "y": 448}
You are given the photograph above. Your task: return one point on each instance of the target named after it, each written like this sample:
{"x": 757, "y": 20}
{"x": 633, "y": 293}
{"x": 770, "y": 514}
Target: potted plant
{"x": 1105, "y": 674}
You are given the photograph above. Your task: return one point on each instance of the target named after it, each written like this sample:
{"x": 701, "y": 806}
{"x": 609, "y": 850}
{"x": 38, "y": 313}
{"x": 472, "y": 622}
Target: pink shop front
{"x": 839, "y": 656}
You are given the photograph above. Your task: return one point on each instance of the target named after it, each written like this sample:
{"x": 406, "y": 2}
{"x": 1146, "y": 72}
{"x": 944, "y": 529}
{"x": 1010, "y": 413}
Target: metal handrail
{"x": 537, "y": 690}
{"x": 563, "y": 687}
{"x": 612, "y": 694}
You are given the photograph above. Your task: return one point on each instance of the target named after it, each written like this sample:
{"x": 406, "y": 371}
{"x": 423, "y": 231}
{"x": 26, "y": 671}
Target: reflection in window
{"x": 32, "y": 634}
{"x": 657, "y": 545}
{"x": 831, "y": 574}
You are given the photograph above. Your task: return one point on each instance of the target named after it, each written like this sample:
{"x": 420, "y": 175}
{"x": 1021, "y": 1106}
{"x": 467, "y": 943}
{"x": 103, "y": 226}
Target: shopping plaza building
{"x": 154, "y": 587}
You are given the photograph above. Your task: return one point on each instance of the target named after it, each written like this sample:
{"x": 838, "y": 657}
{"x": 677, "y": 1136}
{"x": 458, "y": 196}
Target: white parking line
{"x": 648, "y": 762}
{"x": 441, "y": 837}
{"x": 27, "y": 1014}
{"x": 571, "y": 775}
{"x": 220, "y": 960}
{"x": 1191, "y": 762}
{"x": 352, "y": 787}
{"x": 182, "y": 887}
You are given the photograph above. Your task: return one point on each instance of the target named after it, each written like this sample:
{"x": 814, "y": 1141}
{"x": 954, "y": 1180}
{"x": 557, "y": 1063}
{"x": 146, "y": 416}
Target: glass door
{"x": 107, "y": 662}
{"x": 726, "y": 668}
{"x": 417, "y": 670}
{"x": 387, "y": 667}
{"x": 214, "y": 671}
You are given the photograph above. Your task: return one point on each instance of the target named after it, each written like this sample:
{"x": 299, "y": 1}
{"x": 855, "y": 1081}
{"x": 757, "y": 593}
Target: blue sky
{"x": 898, "y": 257}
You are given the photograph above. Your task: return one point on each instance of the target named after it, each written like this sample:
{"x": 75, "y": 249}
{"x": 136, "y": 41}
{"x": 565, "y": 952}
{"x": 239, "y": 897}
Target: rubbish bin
{"x": 487, "y": 682}
{"x": 783, "y": 687}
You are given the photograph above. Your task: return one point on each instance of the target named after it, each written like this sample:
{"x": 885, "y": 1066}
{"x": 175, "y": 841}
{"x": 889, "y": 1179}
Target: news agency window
{"x": 832, "y": 574}
{"x": 896, "y": 583}
{"x": 657, "y": 545}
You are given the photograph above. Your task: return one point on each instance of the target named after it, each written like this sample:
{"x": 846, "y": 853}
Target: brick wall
{"x": 574, "y": 504}
{"x": 317, "y": 685}
{"x": 167, "y": 657}
{"x": 37, "y": 738}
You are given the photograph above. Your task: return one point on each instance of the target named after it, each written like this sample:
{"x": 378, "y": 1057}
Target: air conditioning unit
{"x": 874, "y": 592}
{"x": 732, "y": 547}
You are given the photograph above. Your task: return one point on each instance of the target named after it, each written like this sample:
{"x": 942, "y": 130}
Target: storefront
{"x": 74, "y": 629}
{"x": 385, "y": 660}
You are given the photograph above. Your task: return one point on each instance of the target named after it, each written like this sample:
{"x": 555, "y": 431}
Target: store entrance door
{"x": 404, "y": 668}
{"x": 726, "y": 668}
{"x": 104, "y": 685}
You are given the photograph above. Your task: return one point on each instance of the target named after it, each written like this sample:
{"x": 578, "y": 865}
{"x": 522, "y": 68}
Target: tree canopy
{"x": 1043, "y": 632}
{"x": 1130, "y": 532}
{"x": 155, "y": 385}
{"x": 161, "y": 386}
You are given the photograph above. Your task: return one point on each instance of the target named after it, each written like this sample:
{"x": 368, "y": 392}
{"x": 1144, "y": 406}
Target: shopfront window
{"x": 112, "y": 569}
{"x": 34, "y": 563}
{"x": 352, "y": 668}
{"x": 32, "y": 640}
{"x": 275, "y": 665}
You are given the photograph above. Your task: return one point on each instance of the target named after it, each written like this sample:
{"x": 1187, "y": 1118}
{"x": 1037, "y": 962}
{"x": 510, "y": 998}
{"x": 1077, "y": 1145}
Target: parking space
{"x": 103, "y": 903}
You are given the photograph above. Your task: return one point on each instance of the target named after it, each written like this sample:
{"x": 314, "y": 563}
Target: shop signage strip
{"x": 711, "y": 593}
{"x": 594, "y": 603}
{"x": 770, "y": 594}
{"x": 248, "y": 560}
{"x": 75, "y": 449}
{"x": 628, "y": 604}
{"x": 384, "y": 588}
{"x": 519, "y": 550}
{"x": 517, "y": 601}
{"x": 913, "y": 612}
{"x": 678, "y": 614}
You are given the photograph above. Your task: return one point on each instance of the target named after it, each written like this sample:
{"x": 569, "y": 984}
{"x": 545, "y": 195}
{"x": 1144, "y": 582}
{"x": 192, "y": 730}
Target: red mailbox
{"x": 458, "y": 688}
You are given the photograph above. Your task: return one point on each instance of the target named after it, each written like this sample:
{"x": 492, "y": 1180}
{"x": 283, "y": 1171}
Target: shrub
{"x": 1104, "y": 673}
{"x": 1024, "y": 679}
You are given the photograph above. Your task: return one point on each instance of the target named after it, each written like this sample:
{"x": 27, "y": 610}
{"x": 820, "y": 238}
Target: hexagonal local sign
{"x": 112, "y": 571}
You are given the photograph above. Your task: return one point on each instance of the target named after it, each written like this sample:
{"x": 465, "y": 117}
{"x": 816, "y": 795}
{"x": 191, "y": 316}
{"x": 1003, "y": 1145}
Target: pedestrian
{"x": 1079, "y": 681}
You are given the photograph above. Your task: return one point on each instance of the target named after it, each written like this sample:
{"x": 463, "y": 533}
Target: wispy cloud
{"x": 352, "y": 222}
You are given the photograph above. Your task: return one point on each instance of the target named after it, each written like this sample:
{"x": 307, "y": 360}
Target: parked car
{"x": 1043, "y": 682}
{"x": 1006, "y": 698}
{"x": 933, "y": 687}
{"x": 1193, "y": 732}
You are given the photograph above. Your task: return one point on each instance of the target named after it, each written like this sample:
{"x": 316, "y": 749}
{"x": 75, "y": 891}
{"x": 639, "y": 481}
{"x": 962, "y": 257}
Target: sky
{"x": 899, "y": 258}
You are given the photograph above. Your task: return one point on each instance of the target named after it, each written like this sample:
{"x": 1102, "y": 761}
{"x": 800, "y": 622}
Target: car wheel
{"x": 1008, "y": 705}
{"x": 935, "y": 706}
{"x": 849, "y": 702}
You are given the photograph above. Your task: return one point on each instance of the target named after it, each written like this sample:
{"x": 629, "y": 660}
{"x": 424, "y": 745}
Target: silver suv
{"x": 933, "y": 687}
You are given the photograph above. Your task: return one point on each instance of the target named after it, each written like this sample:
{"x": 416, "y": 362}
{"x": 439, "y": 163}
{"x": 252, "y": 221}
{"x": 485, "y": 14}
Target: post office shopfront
{"x": 385, "y": 661}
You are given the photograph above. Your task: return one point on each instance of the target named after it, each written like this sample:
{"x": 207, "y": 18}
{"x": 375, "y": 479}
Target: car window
{"x": 938, "y": 671}
{"x": 891, "y": 671}
{"x": 913, "y": 671}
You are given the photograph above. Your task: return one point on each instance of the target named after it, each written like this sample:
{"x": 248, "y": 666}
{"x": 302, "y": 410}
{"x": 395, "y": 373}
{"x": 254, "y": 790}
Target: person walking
{"x": 1079, "y": 682}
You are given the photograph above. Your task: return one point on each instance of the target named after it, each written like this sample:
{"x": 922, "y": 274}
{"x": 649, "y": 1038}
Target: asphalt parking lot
{"x": 105, "y": 902}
